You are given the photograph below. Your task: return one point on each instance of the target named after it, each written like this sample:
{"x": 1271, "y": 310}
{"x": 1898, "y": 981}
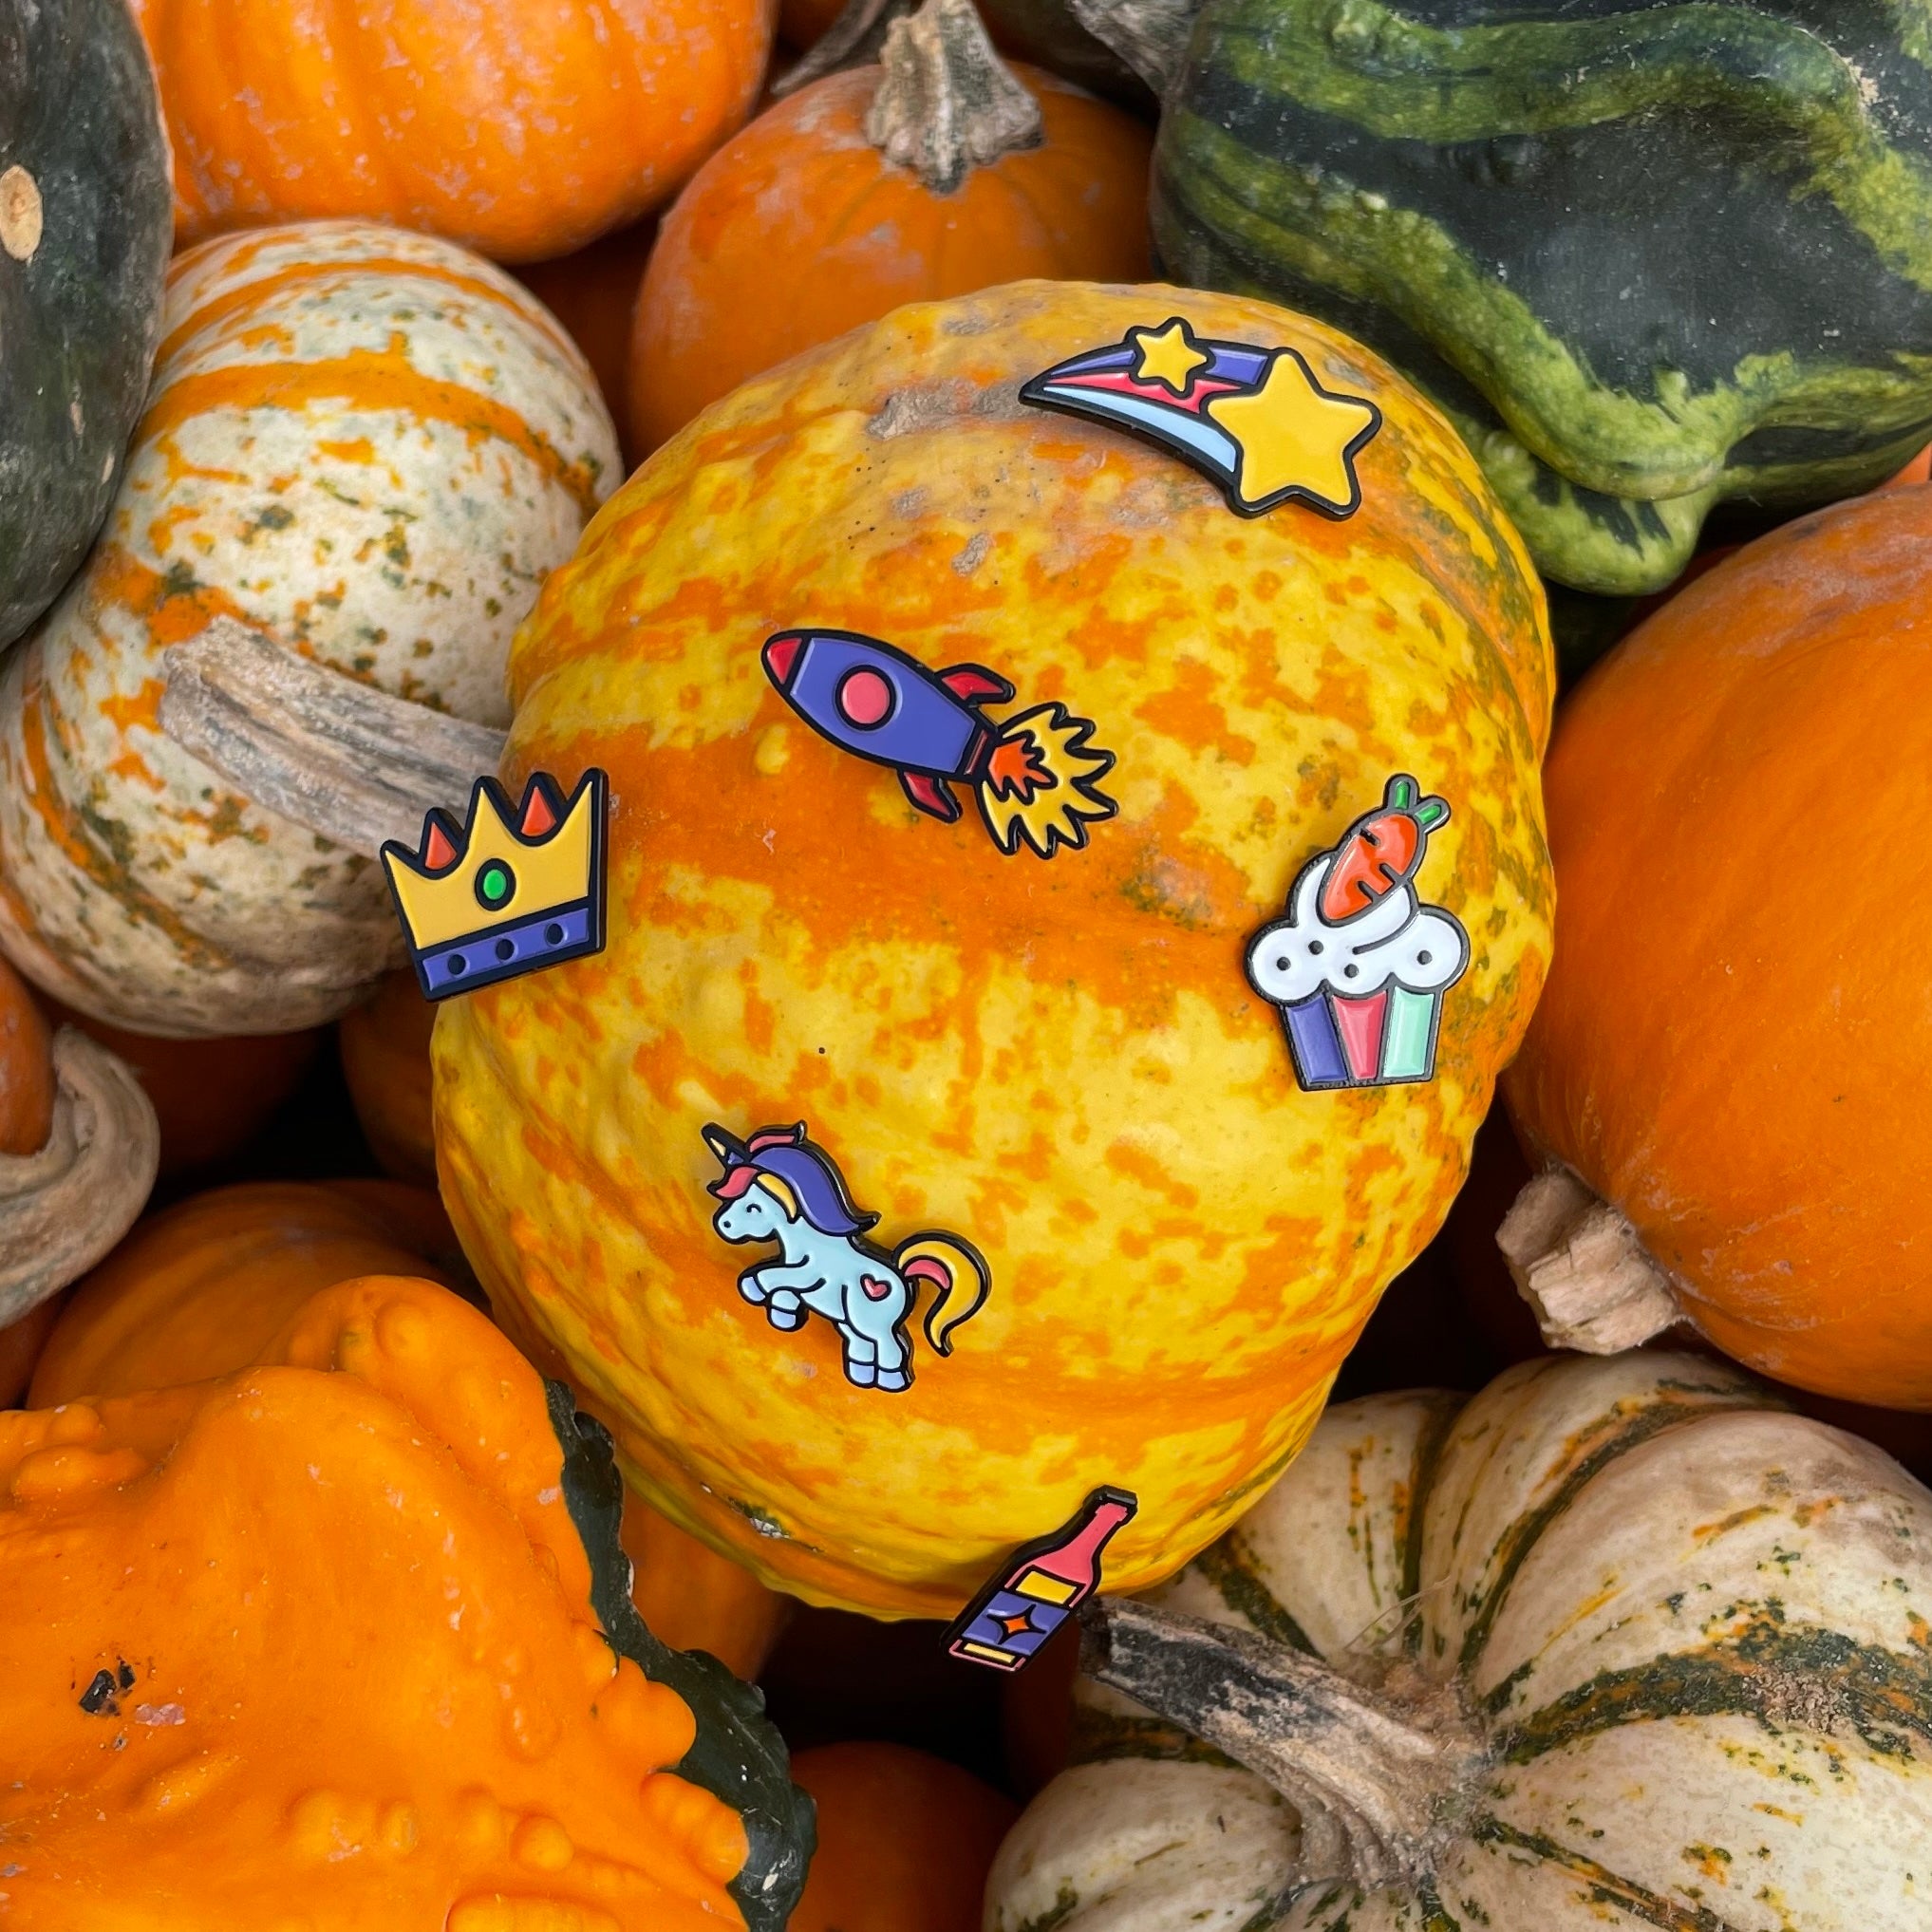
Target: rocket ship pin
{"x": 1036, "y": 776}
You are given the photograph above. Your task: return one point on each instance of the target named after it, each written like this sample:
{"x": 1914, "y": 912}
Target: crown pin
{"x": 504, "y": 894}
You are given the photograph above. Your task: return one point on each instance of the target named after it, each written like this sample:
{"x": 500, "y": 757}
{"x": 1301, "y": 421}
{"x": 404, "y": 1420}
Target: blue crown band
{"x": 499, "y": 952}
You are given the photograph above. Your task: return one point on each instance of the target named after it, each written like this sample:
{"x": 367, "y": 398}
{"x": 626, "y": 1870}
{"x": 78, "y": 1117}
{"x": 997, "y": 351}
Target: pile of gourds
{"x": 411, "y": 1487}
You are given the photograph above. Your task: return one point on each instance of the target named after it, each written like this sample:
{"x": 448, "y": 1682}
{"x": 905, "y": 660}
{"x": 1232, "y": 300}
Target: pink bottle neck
{"x": 1079, "y": 1559}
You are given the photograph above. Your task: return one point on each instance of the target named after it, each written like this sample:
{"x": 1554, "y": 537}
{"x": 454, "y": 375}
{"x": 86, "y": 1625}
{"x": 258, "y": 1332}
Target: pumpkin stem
{"x": 298, "y": 739}
{"x": 1378, "y": 1771}
{"x": 61, "y": 1210}
{"x": 1150, "y": 35}
{"x": 946, "y": 104}
{"x": 1582, "y": 1267}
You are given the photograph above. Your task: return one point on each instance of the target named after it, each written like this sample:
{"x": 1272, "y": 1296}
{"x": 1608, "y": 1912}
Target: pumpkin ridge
{"x": 68, "y": 825}
{"x": 1752, "y": 1673}
{"x": 1220, "y": 1566}
{"x": 739, "y": 1758}
{"x": 1431, "y": 1442}
{"x": 1099, "y": 1737}
{"x": 365, "y": 380}
{"x": 209, "y": 312}
{"x": 1605, "y": 1886}
{"x": 1515, "y": 1546}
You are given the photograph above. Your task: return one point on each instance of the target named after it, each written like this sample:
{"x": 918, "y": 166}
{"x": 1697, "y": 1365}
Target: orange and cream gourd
{"x": 371, "y": 446}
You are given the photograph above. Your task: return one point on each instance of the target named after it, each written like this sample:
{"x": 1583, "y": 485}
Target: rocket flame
{"x": 1042, "y": 781}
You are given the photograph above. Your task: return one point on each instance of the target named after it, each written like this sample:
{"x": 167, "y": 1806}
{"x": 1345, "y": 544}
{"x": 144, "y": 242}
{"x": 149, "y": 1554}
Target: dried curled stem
{"x": 1582, "y": 1267}
{"x": 297, "y": 739}
{"x": 1377, "y": 1773}
{"x": 946, "y": 104}
{"x": 1150, "y": 35}
{"x": 61, "y": 1210}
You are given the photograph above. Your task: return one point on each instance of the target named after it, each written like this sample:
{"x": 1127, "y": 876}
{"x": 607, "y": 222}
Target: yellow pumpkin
{"x": 1059, "y": 1064}
{"x": 368, "y": 445}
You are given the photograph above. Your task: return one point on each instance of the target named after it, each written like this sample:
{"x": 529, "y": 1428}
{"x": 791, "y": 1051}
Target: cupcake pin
{"x": 1359, "y": 964}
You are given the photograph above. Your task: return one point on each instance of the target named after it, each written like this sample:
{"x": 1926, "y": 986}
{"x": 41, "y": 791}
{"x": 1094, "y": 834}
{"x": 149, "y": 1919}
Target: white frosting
{"x": 1396, "y": 937}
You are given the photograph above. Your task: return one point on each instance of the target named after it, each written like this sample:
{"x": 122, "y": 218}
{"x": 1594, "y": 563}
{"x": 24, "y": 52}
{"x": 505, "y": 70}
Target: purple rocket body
{"x": 877, "y": 703}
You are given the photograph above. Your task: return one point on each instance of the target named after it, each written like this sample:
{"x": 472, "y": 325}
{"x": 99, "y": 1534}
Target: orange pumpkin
{"x": 384, "y": 1047}
{"x": 519, "y": 128}
{"x": 345, "y": 1630}
{"x": 27, "y": 1068}
{"x": 366, "y": 445}
{"x": 20, "y": 1342}
{"x": 695, "y": 1598}
{"x": 594, "y": 294}
{"x": 1058, "y": 1062}
{"x": 905, "y": 1841}
{"x": 200, "y": 1289}
{"x": 211, "y": 1097}
{"x": 1735, "y": 1044}
{"x": 827, "y": 211}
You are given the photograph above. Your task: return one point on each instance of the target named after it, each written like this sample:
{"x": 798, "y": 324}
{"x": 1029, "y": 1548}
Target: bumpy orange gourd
{"x": 1735, "y": 1038}
{"x": 1059, "y": 1063}
{"x": 519, "y": 128}
{"x": 200, "y": 1289}
{"x": 323, "y": 1631}
{"x": 905, "y": 1841}
{"x": 384, "y": 1049}
{"x": 801, "y": 228}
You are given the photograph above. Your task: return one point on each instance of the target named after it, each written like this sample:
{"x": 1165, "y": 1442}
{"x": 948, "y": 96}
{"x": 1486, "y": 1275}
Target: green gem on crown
{"x": 494, "y": 884}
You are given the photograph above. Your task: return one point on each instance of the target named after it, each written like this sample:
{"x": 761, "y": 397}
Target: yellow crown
{"x": 506, "y": 894}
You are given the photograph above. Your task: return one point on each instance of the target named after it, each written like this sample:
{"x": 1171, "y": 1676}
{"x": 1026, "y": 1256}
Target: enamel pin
{"x": 1040, "y": 1587}
{"x": 779, "y": 1187}
{"x": 1360, "y": 965}
{"x": 1254, "y": 419}
{"x": 1036, "y": 776}
{"x": 506, "y": 893}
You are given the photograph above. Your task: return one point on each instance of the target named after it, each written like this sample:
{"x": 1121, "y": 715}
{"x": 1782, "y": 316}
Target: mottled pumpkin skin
{"x": 1061, "y": 1062}
{"x": 523, "y": 128}
{"x": 372, "y": 446}
{"x": 364, "y": 1671}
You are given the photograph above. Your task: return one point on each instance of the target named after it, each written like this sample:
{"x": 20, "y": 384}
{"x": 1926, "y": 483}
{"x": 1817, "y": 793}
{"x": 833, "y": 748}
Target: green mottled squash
{"x": 85, "y": 218}
{"x": 1617, "y": 1646}
{"x": 1649, "y": 257}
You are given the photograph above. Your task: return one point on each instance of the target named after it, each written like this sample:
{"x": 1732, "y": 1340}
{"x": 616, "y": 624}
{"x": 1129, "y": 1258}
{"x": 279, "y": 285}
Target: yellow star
{"x": 1169, "y": 355}
{"x": 1296, "y": 438}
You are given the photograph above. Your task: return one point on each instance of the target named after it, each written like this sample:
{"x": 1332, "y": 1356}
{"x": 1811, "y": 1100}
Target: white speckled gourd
{"x": 372, "y": 446}
{"x": 1618, "y": 1645}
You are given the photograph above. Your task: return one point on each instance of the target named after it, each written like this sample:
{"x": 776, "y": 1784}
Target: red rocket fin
{"x": 976, "y": 684}
{"x": 930, "y": 794}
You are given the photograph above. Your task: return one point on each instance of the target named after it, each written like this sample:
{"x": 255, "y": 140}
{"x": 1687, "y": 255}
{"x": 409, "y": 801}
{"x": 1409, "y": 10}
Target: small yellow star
{"x": 1169, "y": 355}
{"x": 1296, "y": 438}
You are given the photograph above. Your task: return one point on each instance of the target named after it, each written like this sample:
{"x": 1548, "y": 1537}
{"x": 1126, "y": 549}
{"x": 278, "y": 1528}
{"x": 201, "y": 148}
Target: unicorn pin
{"x": 779, "y": 1187}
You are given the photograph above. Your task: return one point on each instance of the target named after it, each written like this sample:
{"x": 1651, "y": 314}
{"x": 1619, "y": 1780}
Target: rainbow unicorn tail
{"x": 957, "y": 1270}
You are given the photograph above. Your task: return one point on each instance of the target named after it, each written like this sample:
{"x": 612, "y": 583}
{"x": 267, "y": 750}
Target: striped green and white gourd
{"x": 1647, "y": 256}
{"x": 1617, "y": 1643}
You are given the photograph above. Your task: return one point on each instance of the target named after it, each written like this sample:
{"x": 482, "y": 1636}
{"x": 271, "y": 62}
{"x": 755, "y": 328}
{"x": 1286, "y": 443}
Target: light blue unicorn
{"x": 779, "y": 1187}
